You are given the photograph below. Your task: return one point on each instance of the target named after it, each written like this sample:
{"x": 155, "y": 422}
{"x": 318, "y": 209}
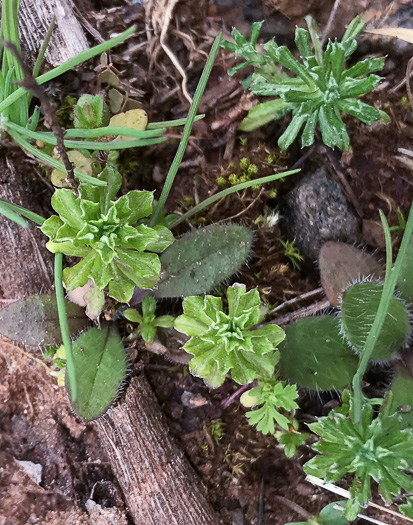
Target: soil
{"x": 249, "y": 479}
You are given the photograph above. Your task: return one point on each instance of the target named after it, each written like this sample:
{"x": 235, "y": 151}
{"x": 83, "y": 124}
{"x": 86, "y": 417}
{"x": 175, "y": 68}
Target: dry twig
{"x": 47, "y": 107}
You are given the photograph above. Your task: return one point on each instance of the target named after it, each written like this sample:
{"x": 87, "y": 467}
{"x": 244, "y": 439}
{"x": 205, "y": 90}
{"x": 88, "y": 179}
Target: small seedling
{"x": 292, "y": 253}
{"x": 217, "y": 429}
{"x": 292, "y": 438}
{"x": 90, "y": 112}
{"x": 367, "y": 449}
{"x": 147, "y": 321}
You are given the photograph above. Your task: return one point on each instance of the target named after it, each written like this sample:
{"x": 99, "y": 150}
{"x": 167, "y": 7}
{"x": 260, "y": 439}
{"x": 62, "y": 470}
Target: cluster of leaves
{"x": 321, "y": 90}
{"x": 226, "y": 342}
{"x": 292, "y": 253}
{"x": 90, "y": 112}
{"x": 147, "y": 321}
{"x": 223, "y": 342}
{"x": 371, "y": 449}
{"x": 103, "y": 232}
{"x": 270, "y": 395}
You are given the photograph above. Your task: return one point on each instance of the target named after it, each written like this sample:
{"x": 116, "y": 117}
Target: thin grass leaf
{"x": 64, "y": 325}
{"x": 32, "y": 125}
{"x": 48, "y": 160}
{"x": 49, "y": 138}
{"x": 173, "y": 170}
{"x": 228, "y": 191}
{"x": 68, "y": 65}
{"x": 42, "y": 52}
{"x": 172, "y": 123}
{"x": 13, "y": 216}
{"x": 23, "y": 211}
{"x": 390, "y": 281}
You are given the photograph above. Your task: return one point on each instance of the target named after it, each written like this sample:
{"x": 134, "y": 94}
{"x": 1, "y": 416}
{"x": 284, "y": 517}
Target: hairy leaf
{"x": 34, "y": 321}
{"x": 341, "y": 264}
{"x": 314, "y": 354}
{"x": 201, "y": 260}
{"x": 100, "y": 367}
{"x": 359, "y": 309}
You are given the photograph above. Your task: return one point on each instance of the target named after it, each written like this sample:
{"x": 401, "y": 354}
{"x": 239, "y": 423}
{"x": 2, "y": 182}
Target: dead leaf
{"x": 134, "y": 119}
{"x": 399, "y": 32}
{"x": 81, "y": 163}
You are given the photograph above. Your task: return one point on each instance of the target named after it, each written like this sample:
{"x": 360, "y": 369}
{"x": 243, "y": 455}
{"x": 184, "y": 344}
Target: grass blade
{"x": 15, "y": 208}
{"x": 48, "y": 160}
{"x": 228, "y": 191}
{"x": 69, "y": 64}
{"x": 13, "y": 216}
{"x": 173, "y": 170}
{"x": 388, "y": 290}
{"x": 64, "y": 325}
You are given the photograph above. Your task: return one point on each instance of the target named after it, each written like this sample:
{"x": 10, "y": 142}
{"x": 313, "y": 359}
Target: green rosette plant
{"x": 370, "y": 450}
{"x": 221, "y": 342}
{"x": 321, "y": 89}
{"x": 103, "y": 232}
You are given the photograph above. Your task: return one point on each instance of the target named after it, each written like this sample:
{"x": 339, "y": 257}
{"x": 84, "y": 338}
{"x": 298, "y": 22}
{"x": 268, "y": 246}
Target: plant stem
{"x": 64, "y": 326}
{"x": 225, "y": 404}
{"x": 171, "y": 123}
{"x": 387, "y": 294}
{"x": 24, "y": 212}
{"x": 173, "y": 170}
{"x": 48, "y": 160}
{"x": 228, "y": 191}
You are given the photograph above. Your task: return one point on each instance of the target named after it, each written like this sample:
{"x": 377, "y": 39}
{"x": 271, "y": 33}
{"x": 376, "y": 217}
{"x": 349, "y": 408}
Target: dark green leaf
{"x": 264, "y": 113}
{"x": 314, "y": 354}
{"x": 100, "y": 367}
{"x": 200, "y": 260}
{"x": 370, "y": 65}
{"x": 364, "y": 112}
{"x": 33, "y": 321}
{"x": 355, "y": 87}
{"x": 302, "y": 41}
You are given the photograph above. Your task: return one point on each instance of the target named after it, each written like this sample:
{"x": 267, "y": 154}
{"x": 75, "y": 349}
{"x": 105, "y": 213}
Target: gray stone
{"x": 315, "y": 211}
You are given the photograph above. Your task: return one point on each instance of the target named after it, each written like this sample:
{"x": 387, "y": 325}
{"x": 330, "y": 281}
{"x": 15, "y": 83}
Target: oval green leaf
{"x": 100, "y": 367}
